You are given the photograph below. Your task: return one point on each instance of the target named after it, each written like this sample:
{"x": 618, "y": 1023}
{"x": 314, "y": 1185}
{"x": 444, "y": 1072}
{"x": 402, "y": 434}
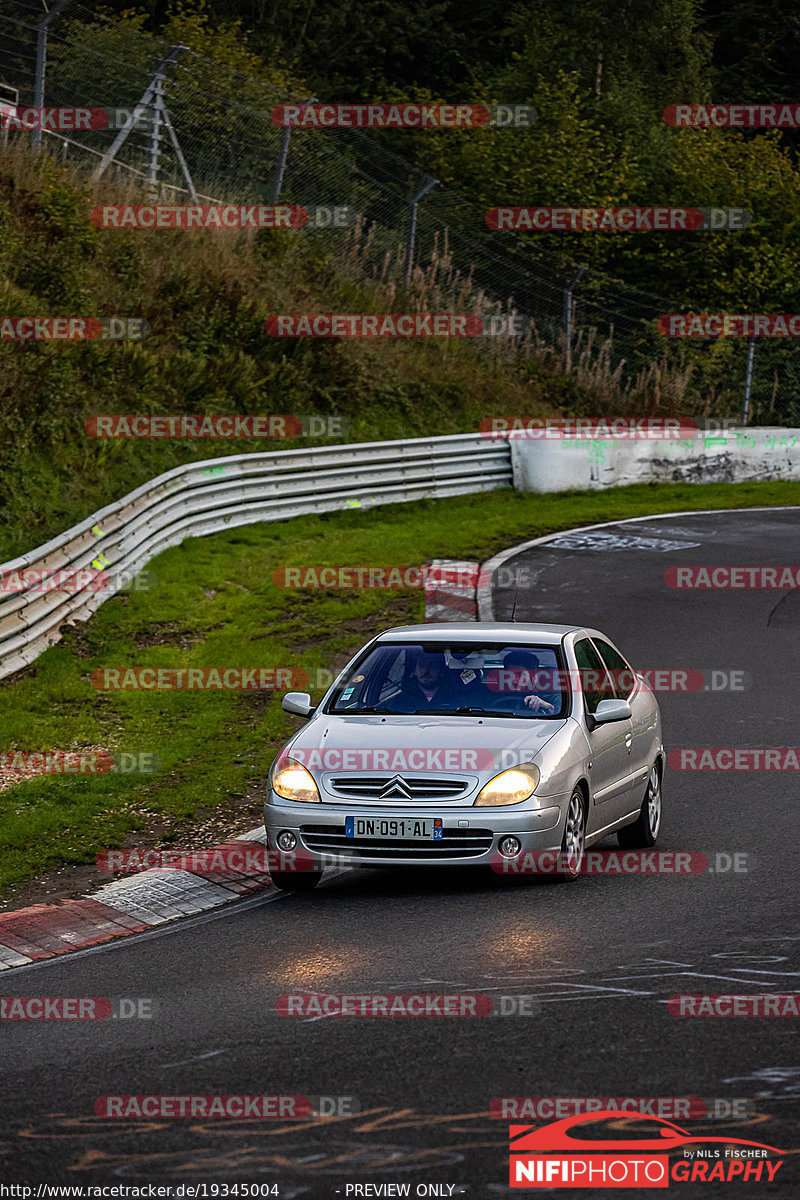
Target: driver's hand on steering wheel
{"x": 539, "y": 705}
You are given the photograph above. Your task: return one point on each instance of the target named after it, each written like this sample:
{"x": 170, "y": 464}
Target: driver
{"x": 429, "y": 686}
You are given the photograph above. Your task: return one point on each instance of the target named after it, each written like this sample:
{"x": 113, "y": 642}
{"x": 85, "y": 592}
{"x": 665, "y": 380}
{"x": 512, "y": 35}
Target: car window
{"x": 526, "y": 681}
{"x": 593, "y": 677}
{"x": 621, "y": 673}
{"x": 394, "y": 676}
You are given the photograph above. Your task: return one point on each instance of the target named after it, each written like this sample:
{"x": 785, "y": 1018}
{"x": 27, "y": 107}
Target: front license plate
{"x": 390, "y": 829}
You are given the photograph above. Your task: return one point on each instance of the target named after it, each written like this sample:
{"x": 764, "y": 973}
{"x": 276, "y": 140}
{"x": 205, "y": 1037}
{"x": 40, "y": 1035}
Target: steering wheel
{"x": 511, "y": 704}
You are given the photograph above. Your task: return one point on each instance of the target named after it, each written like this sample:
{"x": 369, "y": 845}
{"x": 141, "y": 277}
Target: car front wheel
{"x": 574, "y": 839}
{"x": 644, "y": 830}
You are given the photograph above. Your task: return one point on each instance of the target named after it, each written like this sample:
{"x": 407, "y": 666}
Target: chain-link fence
{"x": 226, "y": 147}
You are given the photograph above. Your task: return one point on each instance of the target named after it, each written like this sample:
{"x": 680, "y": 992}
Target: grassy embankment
{"x": 206, "y": 295}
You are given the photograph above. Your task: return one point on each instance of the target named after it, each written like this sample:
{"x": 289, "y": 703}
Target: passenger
{"x": 526, "y": 660}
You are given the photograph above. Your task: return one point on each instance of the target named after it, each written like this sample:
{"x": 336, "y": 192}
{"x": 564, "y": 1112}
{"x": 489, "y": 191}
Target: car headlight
{"x": 510, "y": 787}
{"x": 292, "y": 781}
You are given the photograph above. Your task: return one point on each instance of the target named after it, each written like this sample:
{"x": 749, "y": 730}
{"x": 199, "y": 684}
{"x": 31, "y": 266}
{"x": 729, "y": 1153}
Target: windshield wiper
{"x": 483, "y": 712}
{"x": 338, "y": 711}
{"x": 457, "y": 712}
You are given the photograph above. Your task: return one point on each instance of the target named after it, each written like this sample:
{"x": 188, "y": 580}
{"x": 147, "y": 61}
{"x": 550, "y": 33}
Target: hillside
{"x": 205, "y": 296}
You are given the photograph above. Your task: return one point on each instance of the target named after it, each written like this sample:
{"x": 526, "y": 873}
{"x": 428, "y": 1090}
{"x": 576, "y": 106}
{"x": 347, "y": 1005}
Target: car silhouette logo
{"x": 396, "y": 788}
{"x": 557, "y": 1136}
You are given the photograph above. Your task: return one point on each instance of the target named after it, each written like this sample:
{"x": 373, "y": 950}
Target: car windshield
{"x": 464, "y": 679}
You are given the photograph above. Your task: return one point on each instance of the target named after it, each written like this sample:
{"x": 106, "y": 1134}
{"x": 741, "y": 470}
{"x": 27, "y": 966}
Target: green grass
{"x": 215, "y": 604}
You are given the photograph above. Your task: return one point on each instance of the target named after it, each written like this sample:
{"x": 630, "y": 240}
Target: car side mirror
{"x": 608, "y": 711}
{"x": 298, "y": 703}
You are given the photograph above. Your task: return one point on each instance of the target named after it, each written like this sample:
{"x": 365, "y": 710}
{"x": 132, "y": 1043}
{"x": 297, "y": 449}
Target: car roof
{"x": 515, "y": 632}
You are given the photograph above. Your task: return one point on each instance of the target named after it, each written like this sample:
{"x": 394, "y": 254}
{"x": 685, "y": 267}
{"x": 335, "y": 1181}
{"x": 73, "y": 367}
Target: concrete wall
{"x": 557, "y": 465}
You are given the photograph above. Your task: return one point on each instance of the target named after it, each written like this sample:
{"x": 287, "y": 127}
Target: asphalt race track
{"x": 602, "y": 956}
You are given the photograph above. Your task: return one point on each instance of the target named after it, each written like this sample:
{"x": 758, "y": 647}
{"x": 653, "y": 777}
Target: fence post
{"x": 41, "y": 67}
{"x": 568, "y": 316}
{"x": 154, "y": 91}
{"x": 154, "y": 141}
{"x": 412, "y": 228}
{"x": 748, "y": 378}
{"x": 283, "y": 154}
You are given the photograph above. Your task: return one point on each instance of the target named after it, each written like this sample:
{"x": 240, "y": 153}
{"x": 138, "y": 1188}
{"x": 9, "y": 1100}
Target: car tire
{"x": 573, "y": 843}
{"x": 295, "y": 881}
{"x": 644, "y": 830}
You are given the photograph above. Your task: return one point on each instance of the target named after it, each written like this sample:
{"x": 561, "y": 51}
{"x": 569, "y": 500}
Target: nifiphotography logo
{"x": 558, "y": 1155}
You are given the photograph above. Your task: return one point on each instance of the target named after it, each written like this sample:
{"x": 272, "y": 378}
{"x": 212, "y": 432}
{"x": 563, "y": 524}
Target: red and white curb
{"x": 451, "y": 601}
{"x": 123, "y": 907}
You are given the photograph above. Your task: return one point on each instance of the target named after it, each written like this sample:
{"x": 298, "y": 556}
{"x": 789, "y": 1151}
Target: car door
{"x": 609, "y": 774}
{"x": 641, "y": 753}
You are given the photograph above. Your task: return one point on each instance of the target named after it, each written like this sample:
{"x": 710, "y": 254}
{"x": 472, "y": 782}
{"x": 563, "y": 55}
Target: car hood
{"x": 498, "y": 742}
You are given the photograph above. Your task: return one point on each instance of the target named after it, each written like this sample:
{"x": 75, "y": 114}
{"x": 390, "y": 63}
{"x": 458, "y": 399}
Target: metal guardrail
{"x": 221, "y": 493}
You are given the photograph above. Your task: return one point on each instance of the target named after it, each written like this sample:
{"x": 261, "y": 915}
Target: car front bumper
{"x": 470, "y": 836}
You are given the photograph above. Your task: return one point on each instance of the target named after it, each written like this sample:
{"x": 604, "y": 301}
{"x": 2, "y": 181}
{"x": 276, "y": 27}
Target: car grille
{"x": 455, "y": 843}
{"x": 419, "y": 787}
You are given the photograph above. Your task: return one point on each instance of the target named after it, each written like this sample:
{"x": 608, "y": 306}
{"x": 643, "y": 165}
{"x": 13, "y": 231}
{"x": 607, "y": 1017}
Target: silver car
{"x": 512, "y": 746}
